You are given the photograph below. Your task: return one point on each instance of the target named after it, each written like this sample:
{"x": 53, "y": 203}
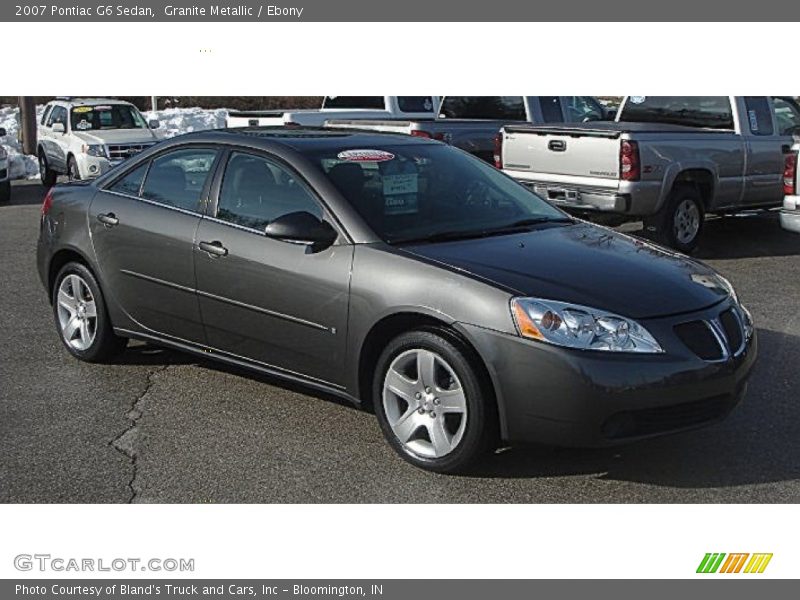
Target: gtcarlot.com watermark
{"x": 60, "y": 564}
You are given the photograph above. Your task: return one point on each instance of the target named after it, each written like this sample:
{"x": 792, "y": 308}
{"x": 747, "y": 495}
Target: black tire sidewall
{"x": 47, "y": 175}
{"x": 106, "y": 344}
{"x": 478, "y": 432}
{"x": 72, "y": 163}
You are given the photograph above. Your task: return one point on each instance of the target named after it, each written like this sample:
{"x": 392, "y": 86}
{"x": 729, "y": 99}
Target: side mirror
{"x": 154, "y": 123}
{"x": 3, "y": 132}
{"x": 59, "y": 128}
{"x": 302, "y": 228}
{"x": 611, "y": 114}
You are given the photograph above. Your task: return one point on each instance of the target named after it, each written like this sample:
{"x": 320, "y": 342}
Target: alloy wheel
{"x": 77, "y": 312}
{"x": 424, "y": 403}
{"x": 687, "y": 221}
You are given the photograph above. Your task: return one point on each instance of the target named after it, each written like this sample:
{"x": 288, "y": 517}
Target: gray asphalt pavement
{"x": 160, "y": 426}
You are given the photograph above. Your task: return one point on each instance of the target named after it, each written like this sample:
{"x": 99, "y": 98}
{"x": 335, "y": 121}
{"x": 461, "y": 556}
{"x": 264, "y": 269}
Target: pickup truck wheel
{"x": 5, "y": 191}
{"x": 73, "y": 172}
{"x": 680, "y": 222}
{"x": 430, "y": 403}
{"x": 45, "y": 172}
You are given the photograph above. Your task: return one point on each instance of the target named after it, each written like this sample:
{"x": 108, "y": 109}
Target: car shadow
{"x": 756, "y": 444}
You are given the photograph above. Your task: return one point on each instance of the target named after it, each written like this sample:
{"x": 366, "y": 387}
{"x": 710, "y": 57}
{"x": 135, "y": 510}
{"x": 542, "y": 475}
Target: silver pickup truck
{"x": 668, "y": 160}
{"x": 472, "y": 122}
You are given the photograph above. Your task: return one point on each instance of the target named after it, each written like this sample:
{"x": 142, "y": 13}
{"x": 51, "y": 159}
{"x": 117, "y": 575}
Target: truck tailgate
{"x": 574, "y": 154}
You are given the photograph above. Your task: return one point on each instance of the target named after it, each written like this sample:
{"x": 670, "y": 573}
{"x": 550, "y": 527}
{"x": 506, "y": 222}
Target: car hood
{"x": 585, "y": 264}
{"x": 116, "y": 136}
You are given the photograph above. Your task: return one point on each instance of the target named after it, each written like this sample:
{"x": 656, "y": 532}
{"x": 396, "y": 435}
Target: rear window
{"x": 354, "y": 102}
{"x": 692, "y": 111}
{"x": 502, "y": 108}
{"x": 415, "y": 104}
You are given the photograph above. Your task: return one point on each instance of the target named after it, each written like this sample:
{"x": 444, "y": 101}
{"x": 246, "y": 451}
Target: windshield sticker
{"x": 103, "y": 107}
{"x": 365, "y": 155}
{"x": 83, "y": 125}
{"x": 82, "y": 109}
{"x": 638, "y": 99}
{"x": 400, "y": 184}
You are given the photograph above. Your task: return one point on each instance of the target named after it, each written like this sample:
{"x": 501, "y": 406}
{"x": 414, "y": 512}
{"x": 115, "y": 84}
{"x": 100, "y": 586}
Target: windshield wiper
{"x": 515, "y": 227}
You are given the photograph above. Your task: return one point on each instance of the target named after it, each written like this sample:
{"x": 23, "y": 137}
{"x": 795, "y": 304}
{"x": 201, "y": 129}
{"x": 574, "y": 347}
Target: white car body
{"x": 336, "y": 107}
{"x": 5, "y": 171}
{"x": 790, "y": 212}
{"x": 93, "y": 150}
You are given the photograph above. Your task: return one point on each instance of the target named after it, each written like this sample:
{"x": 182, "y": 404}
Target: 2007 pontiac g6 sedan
{"x": 399, "y": 273}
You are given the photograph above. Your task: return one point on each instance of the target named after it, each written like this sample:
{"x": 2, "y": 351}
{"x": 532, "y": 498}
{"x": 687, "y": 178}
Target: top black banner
{"x": 403, "y": 11}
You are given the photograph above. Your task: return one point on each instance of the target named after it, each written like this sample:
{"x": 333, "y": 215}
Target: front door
{"x": 143, "y": 229}
{"x": 277, "y": 303}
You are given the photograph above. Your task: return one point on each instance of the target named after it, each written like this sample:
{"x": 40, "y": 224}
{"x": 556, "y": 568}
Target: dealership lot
{"x": 160, "y": 426}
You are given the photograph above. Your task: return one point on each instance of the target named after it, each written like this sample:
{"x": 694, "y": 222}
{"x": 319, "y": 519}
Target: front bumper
{"x": 563, "y": 397}
{"x": 91, "y": 167}
{"x": 790, "y": 214}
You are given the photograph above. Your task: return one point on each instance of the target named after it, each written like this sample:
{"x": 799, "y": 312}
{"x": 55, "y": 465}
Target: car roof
{"x": 69, "y": 101}
{"x": 303, "y": 138}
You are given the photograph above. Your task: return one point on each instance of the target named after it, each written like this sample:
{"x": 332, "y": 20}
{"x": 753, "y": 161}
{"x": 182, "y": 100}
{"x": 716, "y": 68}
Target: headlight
{"x": 98, "y": 150}
{"x": 581, "y": 327}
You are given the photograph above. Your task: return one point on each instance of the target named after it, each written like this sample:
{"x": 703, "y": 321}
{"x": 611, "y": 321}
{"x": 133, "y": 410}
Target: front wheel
{"x": 73, "y": 173}
{"x": 47, "y": 174}
{"x": 430, "y": 403}
{"x": 81, "y": 316}
{"x": 680, "y": 222}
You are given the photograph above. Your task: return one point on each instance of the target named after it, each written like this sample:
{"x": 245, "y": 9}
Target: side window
{"x": 759, "y": 116}
{"x": 583, "y": 108}
{"x": 178, "y": 177}
{"x": 256, "y": 191}
{"x": 511, "y": 108}
{"x": 787, "y": 114}
{"x": 57, "y": 115}
{"x": 131, "y": 183}
{"x": 46, "y": 114}
{"x": 551, "y": 109}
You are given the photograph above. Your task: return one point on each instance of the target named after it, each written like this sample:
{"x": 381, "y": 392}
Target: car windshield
{"x": 108, "y": 116}
{"x": 416, "y": 193}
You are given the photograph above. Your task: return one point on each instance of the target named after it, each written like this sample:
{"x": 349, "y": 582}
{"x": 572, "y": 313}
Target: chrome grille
{"x": 123, "y": 151}
{"x": 716, "y": 339}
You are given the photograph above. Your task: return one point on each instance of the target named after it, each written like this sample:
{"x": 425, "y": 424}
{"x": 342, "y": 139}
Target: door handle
{"x": 214, "y": 248}
{"x": 109, "y": 220}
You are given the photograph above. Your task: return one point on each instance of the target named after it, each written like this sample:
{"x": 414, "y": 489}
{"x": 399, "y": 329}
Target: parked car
{"x": 668, "y": 160}
{"x": 790, "y": 213}
{"x": 85, "y": 137}
{"x": 5, "y": 171}
{"x": 343, "y": 107}
{"x": 472, "y": 122}
{"x": 398, "y": 272}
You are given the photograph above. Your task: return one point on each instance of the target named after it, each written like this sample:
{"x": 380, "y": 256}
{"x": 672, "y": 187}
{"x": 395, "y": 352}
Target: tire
{"x": 5, "y": 191}
{"x": 680, "y": 222}
{"x": 73, "y": 172}
{"x": 81, "y": 317}
{"x": 444, "y": 426}
{"x": 45, "y": 172}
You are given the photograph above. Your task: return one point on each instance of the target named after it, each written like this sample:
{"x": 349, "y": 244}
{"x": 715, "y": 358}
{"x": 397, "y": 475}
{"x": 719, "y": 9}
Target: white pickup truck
{"x": 340, "y": 107}
{"x": 668, "y": 160}
{"x": 85, "y": 137}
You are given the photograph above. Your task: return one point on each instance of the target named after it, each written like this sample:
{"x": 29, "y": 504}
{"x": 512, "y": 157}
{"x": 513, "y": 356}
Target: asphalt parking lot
{"x": 160, "y": 426}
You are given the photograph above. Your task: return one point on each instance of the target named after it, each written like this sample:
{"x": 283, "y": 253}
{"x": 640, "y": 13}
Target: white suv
{"x": 5, "y": 167}
{"x": 84, "y": 137}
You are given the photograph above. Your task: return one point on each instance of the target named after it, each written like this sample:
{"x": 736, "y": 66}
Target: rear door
{"x": 274, "y": 302}
{"x": 765, "y": 158}
{"x": 143, "y": 229}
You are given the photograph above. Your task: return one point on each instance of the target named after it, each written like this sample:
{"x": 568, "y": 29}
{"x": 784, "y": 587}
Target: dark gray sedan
{"x": 399, "y": 273}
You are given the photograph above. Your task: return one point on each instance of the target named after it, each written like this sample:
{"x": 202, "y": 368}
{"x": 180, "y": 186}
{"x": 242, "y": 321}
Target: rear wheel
{"x": 680, "y": 222}
{"x": 5, "y": 191}
{"x": 430, "y": 403}
{"x": 45, "y": 172}
{"x": 81, "y": 316}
